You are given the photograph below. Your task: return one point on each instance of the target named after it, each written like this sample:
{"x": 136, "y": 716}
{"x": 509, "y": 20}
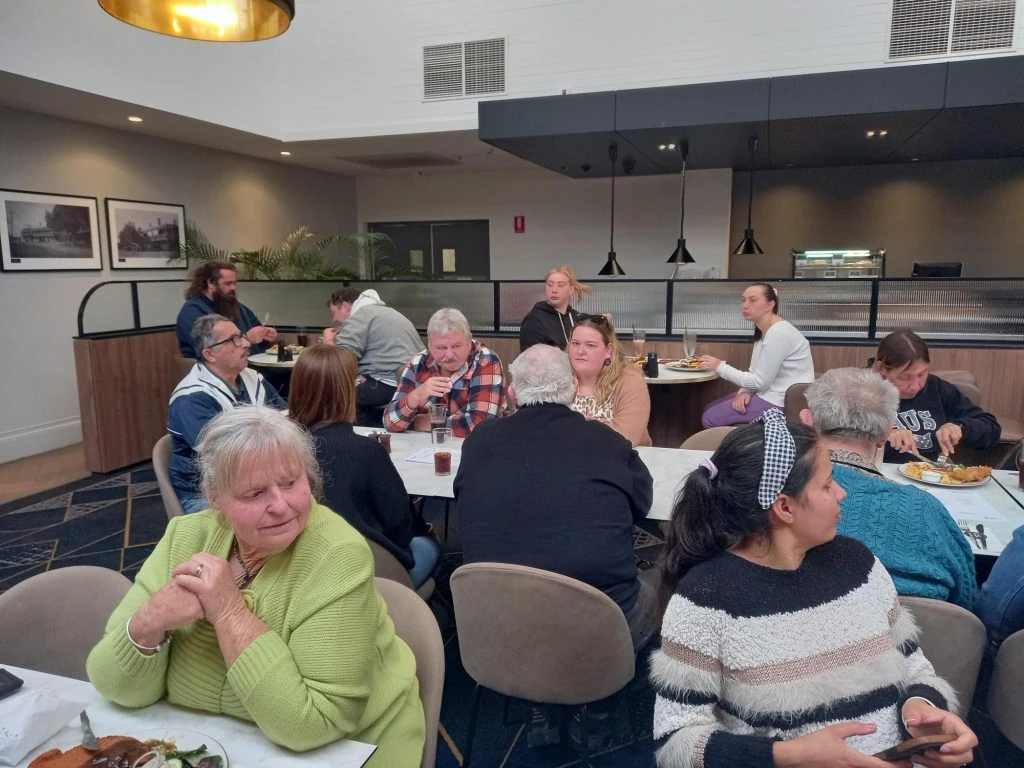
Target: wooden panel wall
{"x": 124, "y": 384}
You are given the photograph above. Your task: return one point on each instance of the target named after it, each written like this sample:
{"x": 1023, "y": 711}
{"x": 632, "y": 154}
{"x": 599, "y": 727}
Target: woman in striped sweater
{"x": 782, "y": 643}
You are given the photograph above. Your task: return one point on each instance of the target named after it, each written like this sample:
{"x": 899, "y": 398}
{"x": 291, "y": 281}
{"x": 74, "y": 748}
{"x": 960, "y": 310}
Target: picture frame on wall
{"x": 144, "y": 235}
{"x": 42, "y": 232}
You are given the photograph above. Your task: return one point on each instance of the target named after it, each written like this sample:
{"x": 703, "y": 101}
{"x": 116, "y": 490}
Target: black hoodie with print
{"x": 546, "y": 325}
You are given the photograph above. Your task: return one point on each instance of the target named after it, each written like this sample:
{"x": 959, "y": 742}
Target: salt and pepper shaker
{"x": 651, "y": 368}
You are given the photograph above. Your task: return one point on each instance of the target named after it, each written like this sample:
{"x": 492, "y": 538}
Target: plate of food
{"x": 956, "y": 476}
{"x": 686, "y": 365}
{"x": 162, "y": 748}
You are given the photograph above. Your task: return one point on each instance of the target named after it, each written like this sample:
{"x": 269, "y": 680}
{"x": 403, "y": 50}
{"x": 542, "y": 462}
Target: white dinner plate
{"x": 680, "y": 368}
{"x": 903, "y": 472}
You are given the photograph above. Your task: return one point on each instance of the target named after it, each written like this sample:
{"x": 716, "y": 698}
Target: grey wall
{"x": 239, "y": 202}
{"x": 969, "y": 211}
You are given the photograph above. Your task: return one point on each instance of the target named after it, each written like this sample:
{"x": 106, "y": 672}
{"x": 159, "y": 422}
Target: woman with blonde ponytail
{"x": 551, "y": 321}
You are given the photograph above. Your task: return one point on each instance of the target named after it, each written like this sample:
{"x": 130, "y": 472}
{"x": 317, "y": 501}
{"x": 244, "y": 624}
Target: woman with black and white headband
{"x": 784, "y": 644}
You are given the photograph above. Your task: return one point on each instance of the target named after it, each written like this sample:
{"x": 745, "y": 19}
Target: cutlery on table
{"x": 944, "y": 461}
{"x": 981, "y": 535}
{"x": 89, "y": 740}
{"x": 969, "y": 533}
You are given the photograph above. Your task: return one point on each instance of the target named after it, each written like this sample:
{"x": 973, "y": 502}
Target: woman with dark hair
{"x": 782, "y": 643}
{"x": 934, "y": 417}
{"x": 608, "y": 388}
{"x": 781, "y": 358}
{"x": 360, "y": 482}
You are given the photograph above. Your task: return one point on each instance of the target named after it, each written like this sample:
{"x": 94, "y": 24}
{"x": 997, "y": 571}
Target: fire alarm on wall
{"x": 519, "y": 222}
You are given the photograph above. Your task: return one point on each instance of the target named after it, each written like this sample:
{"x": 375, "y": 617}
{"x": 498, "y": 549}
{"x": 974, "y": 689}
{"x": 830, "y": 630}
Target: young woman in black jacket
{"x": 551, "y": 321}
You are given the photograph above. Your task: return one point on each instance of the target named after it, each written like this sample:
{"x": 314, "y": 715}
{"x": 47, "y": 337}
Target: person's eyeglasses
{"x": 595, "y": 319}
{"x": 234, "y": 338}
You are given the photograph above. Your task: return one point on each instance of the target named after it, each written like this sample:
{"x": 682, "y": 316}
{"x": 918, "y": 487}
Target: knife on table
{"x": 981, "y": 535}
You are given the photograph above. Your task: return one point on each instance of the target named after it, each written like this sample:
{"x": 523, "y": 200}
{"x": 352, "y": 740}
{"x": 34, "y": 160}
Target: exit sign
{"x": 519, "y": 223}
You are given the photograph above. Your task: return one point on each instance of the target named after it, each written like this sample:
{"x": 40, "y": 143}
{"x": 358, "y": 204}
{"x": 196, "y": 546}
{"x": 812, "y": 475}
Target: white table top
{"x": 269, "y": 360}
{"x": 668, "y": 376}
{"x": 1003, "y": 509}
{"x": 1009, "y": 481}
{"x": 245, "y": 745}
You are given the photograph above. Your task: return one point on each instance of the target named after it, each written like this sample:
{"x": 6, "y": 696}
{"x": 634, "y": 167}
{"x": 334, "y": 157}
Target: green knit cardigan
{"x": 331, "y": 666}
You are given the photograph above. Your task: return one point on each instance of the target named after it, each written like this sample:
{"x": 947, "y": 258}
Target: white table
{"x": 245, "y": 745}
{"x": 668, "y": 376}
{"x": 269, "y": 360}
{"x": 670, "y": 466}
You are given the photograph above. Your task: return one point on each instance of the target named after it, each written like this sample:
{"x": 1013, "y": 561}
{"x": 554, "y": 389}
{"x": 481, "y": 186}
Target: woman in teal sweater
{"x": 264, "y": 607}
{"x": 909, "y": 530}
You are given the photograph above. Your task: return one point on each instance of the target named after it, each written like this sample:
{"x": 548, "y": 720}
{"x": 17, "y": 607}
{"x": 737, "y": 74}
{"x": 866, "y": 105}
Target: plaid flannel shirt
{"x": 478, "y": 391}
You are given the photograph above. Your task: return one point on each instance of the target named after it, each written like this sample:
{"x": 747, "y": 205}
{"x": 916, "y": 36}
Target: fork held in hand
{"x": 89, "y": 740}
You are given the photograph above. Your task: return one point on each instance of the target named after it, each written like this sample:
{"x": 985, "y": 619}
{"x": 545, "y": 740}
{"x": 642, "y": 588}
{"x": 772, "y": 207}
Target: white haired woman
{"x": 853, "y": 410}
{"x": 455, "y": 371}
{"x": 264, "y": 607}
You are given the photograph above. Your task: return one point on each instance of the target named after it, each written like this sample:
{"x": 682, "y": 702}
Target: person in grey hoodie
{"x": 381, "y": 338}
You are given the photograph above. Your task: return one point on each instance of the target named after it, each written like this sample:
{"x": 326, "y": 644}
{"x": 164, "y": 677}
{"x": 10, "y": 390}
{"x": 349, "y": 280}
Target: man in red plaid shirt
{"x": 454, "y": 370}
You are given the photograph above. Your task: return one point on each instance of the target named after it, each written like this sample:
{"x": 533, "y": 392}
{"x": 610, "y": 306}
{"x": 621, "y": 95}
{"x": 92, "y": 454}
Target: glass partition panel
{"x": 160, "y": 301}
{"x": 821, "y": 308}
{"x": 109, "y": 309}
{"x": 632, "y": 305}
{"x": 516, "y": 300}
{"x": 299, "y": 304}
{"x": 991, "y": 310}
{"x": 418, "y": 300}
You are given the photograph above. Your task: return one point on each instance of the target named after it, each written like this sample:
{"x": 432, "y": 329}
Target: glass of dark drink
{"x": 442, "y": 463}
{"x": 303, "y": 340}
{"x": 384, "y": 438}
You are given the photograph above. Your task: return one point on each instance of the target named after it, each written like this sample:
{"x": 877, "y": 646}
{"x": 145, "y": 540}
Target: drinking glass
{"x": 442, "y": 437}
{"x": 438, "y": 416}
{"x": 689, "y": 343}
{"x": 639, "y": 337}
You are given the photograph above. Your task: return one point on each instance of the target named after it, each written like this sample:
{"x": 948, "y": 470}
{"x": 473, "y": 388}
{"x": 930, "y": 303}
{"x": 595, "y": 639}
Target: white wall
{"x": 239, "y": 202}
{"x": 349, "y": 69}
{"x": 567, "y": 220}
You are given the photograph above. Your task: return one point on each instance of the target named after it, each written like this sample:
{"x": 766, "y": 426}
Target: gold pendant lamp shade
{"x": 220, "y": 21}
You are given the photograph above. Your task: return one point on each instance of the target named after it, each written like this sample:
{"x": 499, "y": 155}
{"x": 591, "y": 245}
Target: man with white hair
{"x": 547, "y": 488}
{"x": 919, "y": 543}
{"x": 455, "y": 371}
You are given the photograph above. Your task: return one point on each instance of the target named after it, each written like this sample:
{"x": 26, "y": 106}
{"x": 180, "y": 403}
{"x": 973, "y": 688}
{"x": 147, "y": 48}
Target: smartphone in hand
{"x": 915, "y": 746}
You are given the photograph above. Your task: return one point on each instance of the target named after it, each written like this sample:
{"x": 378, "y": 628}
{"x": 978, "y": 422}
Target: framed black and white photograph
{"x": 41, "y": 232}
{"x": 143, "y": 235}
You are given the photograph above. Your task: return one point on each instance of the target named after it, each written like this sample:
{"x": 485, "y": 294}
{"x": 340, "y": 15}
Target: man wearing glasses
{"x": 218, "y": 381}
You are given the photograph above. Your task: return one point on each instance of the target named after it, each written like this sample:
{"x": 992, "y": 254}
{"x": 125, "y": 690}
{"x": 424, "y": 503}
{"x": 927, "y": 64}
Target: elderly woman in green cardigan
{"x": 264, "y": 607}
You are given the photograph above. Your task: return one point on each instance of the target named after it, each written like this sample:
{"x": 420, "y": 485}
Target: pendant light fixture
{"x": 748, "y": 245}
{"x": 224, "y": 21}
{"x": 681, "y": 255}
{"x": 611, "y": 267}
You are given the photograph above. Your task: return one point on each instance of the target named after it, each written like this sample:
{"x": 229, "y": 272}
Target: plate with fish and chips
{"x": 956, "y": 476}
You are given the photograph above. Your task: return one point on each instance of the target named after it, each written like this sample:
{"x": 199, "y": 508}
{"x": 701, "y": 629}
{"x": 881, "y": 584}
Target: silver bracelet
{"x": 160, "y": 647}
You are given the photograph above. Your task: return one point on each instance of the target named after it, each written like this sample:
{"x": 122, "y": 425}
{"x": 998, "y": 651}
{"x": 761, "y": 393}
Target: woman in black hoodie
{"x": 934, "y": 416}
{"x": 551, "y": 321}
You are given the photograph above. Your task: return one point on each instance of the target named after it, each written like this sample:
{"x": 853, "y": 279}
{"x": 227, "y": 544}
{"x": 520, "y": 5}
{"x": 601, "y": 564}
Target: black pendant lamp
{"x": 681, "y": 255}
{"x": 611, "y": 267}
{"x": 219, "y": 21}
{"x": 748, "y": 245}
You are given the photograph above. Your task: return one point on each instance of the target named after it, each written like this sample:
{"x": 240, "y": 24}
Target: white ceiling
{"x": 446, "y": 152}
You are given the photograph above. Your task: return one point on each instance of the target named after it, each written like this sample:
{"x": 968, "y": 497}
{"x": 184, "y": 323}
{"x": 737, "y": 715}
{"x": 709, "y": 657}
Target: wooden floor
{"x": 39, "y": 473}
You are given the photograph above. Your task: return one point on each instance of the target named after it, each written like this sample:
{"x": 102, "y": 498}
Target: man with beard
{"x": 212, "y": 292}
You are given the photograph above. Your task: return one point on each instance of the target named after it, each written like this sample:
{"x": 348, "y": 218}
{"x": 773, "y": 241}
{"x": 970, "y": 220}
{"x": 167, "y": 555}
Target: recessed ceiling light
{"x": 286, "y": 154}
{"x": 662, "y": 147}
{"x": 671, "y": 146}
{"x": 871, "y": 134}
{"x": 134, "y": 119}
{"x": 883, "y": 133}
{"x": 915, "y": 159}
{"x": 790, "y": 165}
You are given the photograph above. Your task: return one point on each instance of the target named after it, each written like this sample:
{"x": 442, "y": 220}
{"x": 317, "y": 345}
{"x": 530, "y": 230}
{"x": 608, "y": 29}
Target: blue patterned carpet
{"x": 114, "y": 521}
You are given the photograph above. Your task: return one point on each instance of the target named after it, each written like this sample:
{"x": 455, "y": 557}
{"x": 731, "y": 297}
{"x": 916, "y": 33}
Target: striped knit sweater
{"x": 751, "y": 655}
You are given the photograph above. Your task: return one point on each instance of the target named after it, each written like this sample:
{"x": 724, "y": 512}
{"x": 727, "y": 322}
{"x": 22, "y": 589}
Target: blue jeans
{"x": 1001, "y": 605}
{"x": 425, "y": 551}
{"x": 193, "y": 502}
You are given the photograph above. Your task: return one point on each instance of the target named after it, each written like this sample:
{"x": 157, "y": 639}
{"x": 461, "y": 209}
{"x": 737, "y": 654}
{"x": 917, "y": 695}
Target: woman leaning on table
{"x": 264, "y": 607}
{"x": 781, "y": 358}
{"x": 934, "y": 417}
{"x": 782, "y": 643}
{"x": 608, "y": 387}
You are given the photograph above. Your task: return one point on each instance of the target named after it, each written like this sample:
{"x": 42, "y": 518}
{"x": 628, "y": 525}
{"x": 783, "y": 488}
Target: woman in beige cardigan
{"x": 609, "y": 389}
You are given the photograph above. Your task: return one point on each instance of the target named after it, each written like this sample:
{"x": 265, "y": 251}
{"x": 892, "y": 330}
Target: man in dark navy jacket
{"x": 212, "y": 292}
{"x": 549, "y": 489}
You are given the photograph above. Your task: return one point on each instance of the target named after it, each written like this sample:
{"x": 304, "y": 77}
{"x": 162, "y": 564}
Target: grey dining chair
{"x": 706, "y": 439}
{"x": 540, "y": 636}
{"x": 416, "y": 625}
{"x": 162, "y": 469}
{"x": 51, "y": 621}
{"x": 386, "y": 566}
{"x": 1006, "y": 690}
{"x": 953, "y": 639}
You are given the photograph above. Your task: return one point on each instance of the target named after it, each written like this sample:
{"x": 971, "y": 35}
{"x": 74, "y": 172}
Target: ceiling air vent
{"x": 454, "y": 70}
{"x": 941, "y": 27}
{"x": 402, "y": 162}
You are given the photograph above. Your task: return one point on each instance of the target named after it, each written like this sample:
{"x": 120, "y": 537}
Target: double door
{"x": 439, "y": 250}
